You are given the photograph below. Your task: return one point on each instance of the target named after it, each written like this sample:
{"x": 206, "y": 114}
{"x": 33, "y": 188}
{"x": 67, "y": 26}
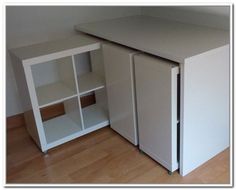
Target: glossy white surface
{"x": 35, "y": 107}
{"x": 24, "y": 81}
{"x": 156, "y": 92}
{"x": 118, "y": 65}
{"x": 205, "y": 114}
{"x": 165, "y": 38}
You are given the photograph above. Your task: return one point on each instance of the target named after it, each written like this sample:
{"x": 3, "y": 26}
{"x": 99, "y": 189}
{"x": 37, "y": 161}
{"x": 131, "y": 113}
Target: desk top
{"x": 172, "y": 40}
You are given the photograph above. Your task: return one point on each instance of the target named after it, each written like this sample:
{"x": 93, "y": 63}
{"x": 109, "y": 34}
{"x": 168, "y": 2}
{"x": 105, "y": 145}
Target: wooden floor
{"x": 100, "y": 157}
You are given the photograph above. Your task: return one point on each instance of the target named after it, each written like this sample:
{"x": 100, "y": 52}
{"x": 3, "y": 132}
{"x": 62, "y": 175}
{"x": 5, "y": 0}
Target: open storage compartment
{"x": 88, "y": 79}
{"x": 59, "y": 129}
{"x": 95, "y": 115}
{"x": 54, "y": 81}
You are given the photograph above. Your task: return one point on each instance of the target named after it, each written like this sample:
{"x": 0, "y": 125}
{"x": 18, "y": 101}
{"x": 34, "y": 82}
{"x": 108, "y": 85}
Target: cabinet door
{"x": 118, "y": 66}
{"x": 156, "y": 92}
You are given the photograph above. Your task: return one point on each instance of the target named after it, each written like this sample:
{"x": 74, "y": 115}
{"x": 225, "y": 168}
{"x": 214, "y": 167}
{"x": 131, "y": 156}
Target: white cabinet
{"x": 118, "y": 63}
{"x": 156, "y": 92}
{"x": 48, "y": 73}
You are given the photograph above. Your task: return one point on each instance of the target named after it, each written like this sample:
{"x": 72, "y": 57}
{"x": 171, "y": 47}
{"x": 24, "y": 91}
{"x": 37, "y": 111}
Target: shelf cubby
{"x": 90, "y": 76}
{"x": 57, "y": 83}
{"x": 65, "y": 126}
{"x": 90, "y": 82}
{"x": 95, "y": 116}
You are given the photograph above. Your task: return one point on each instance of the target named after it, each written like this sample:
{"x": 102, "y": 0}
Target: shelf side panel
{"x": 29, "y": 103}
{"x": 25, "y": 98}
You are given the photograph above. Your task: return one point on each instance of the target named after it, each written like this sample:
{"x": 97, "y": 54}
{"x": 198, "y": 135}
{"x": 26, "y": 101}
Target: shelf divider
{"x": 53, "y": 93}
{"x": 77, "y": 89}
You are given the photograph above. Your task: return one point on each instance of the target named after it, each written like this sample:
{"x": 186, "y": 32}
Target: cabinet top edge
{"x": 66, "y": 46}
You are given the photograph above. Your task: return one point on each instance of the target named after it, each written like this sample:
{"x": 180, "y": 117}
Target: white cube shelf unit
{"x": 47, "y": 74}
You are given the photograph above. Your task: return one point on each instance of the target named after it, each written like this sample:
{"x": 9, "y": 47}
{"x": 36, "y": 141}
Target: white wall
{"x": 31, "y": 24}
{"x": 213, "y": 16}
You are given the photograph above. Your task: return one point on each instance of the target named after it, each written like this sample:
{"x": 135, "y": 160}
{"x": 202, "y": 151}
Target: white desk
{"x": 203, "y": 54}
{"x": 168, "y": 39}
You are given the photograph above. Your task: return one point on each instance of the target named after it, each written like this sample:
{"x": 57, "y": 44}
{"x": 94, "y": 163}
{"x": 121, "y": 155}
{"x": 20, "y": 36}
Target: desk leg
{"x": 204, "y": 130}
